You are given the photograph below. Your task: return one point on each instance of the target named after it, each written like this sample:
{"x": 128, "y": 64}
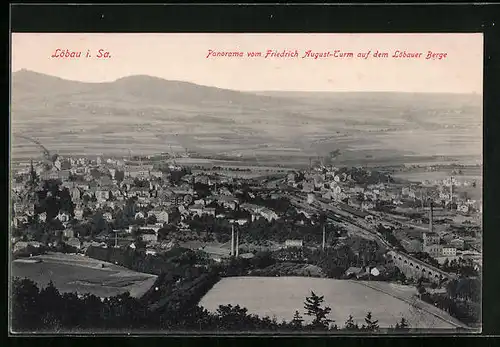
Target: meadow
{"x": 280, "y": 297}
{"x": 76, "y": 273}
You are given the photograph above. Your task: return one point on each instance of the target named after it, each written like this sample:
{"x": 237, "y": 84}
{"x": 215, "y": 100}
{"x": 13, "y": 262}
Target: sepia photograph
{"x": 245, "y": 183}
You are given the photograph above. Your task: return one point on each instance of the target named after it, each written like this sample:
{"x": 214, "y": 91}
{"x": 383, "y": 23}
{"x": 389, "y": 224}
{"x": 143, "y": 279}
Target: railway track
{"x": 338, "y": 215}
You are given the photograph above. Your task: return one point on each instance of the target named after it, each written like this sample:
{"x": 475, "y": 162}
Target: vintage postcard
{"x": 246, "y": 183}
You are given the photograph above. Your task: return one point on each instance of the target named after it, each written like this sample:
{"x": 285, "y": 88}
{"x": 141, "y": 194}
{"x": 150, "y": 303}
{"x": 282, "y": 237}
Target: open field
{"x": 150, "y": 115}
{"x": 282, "y": 296}
{"x": 76, "y": 273}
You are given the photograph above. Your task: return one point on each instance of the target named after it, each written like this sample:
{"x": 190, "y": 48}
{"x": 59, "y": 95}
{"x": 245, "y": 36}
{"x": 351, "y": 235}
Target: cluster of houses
{"x": 95, "y": 186}
{"x": 440, "y": 246}
{"x": 100, "y": 189}
{"x": 340, "y": 187}
{"x": 259, "y": 211}
{"x": 331, "y": 184}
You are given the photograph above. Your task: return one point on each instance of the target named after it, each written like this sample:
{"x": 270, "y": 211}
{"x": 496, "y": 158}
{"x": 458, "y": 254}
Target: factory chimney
{"x": 451, "y": 191}
{"x": 324, "y": 237}
{"x": 232, "y": 240}
{"x": 430, "y": 218}
{"x": 237, "y": 243}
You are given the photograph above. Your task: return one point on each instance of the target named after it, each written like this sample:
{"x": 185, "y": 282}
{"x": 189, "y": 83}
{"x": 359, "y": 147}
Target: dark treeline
{"x": 52, "y": 199}
{"x": 426, "y": 258}
{"x": 462, "y": 299}
{"x": 295, "y": 226}
{"x": 173, "y": 260}
{"x": 184, "y": 276}
{"x": 30, "y": 250}
{"x": 335, "y": 261}
{"x": 388, "y": 235}
{"x": 48, "y": 310}
{"x": 462, "y": 267}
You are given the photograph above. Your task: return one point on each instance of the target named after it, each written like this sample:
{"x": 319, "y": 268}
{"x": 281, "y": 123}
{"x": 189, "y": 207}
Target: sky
{"x": 183, "y": 57}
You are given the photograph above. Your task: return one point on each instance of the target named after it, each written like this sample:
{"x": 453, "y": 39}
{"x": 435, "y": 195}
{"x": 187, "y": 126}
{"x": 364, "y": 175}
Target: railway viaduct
{"x": 410, "y": 266}
{"x": 415, "y": 268}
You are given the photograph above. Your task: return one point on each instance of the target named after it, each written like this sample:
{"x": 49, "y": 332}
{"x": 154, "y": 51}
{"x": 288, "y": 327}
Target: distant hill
{"x": 29, "y": 86}
{"x": 149, "y": 114}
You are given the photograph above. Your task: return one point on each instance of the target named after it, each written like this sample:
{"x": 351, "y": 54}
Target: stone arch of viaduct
{"x": 415, "y": 268}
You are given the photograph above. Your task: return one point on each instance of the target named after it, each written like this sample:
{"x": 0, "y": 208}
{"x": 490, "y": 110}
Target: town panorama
{"x": 184, "y": 239}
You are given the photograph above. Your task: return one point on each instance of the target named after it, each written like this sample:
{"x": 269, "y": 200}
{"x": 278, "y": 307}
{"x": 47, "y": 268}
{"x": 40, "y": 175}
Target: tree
{"x": 25, "y": 305}
{"x": 297, "y": 320}
{"x": 164, "y": 231}
{"x": 97, "y": 223}
{"x": 83, "y": 230}
{"x": 350, "y": 325}
{"x": 312, "y": 304}
{"x": 370, "y": 323}
{"x": 176, "y": 176}
{"x": 120, "y": 220}
{"x": 65, "y": 202}
{"x": 399, "y": 276}
{"x": 140, "y": 221}
{"x": 140, "y": 183}
{"x": 262, "y": 260}
{"x": 402, "y": 325}
{"x": 360, "y": 197}
{"x": 421, "y": 288}
{"x": 87, "y": 212}
{"x": 50, "y": 306}
{"x": 119, "y": 175}
{"x": 232, "y": 317}
{"x": 151, "y": 219}
{"x": 51, "y": 199}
